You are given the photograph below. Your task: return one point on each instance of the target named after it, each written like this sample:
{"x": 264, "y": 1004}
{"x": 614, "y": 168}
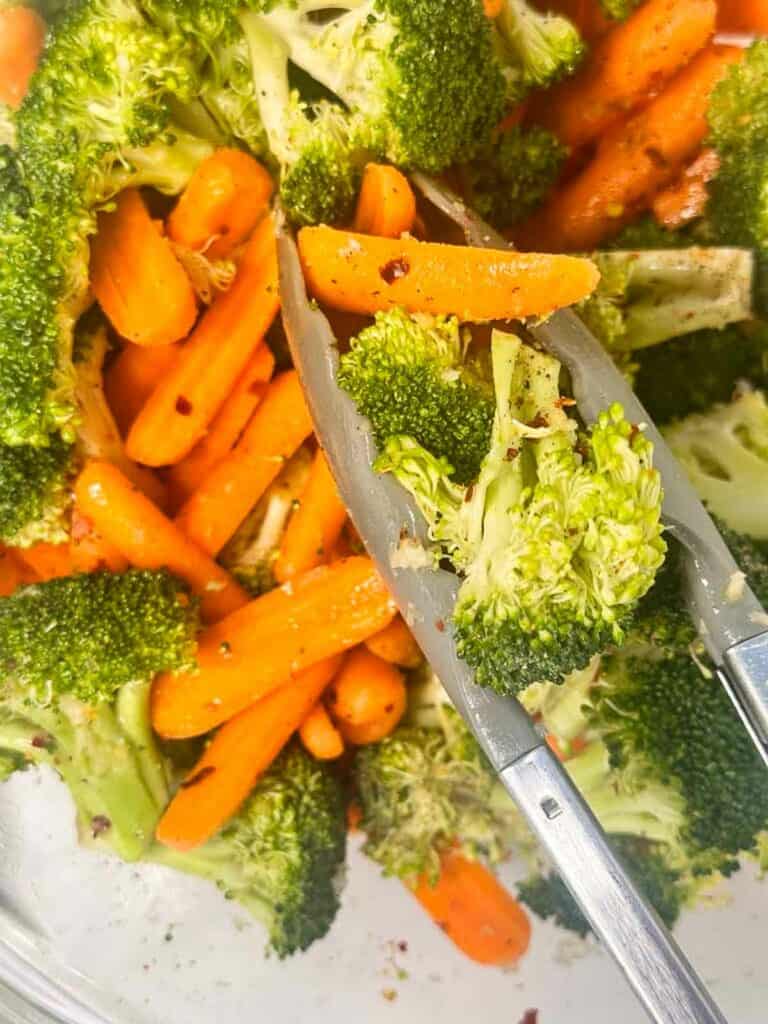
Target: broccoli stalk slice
{"x": 645, "y": 298}
{"x": 537, "y": 49}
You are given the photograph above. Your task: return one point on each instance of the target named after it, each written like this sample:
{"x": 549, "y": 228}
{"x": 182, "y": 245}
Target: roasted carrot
{"x": 685, "y": 199}
{"x": 22, "y": 35}
{"x": 180, "y": 409}
{"x": 239, "y": 753}
{"x": 12, "y": 573}
{"x": 132, "y": 377}
{"x": 315, "y": 525}
{"x": 362, "y": 274}
{"x": 89, "y": 551}
{"x": 47, "y": 561}
{"x": 141, "y": 533}
{"x": 629, "y": 64}
{"x": 632, "y": 163}
{"x": 255, "y": 650}
{"x": 226, "y": 428}
{"x": 372, "y": 732}
{"x": 742, "y": 16}
{"x": 224, "y": 200}
{"x": 475, "y": 911}
{"x": 492, "y": 8}
{"x": 138, "y": 281}
{"x": 386, "y": 205}
{"x": 234, "y": 485}
{"x": 320, "y": 736}
{"x": 366, "y": 689}
{"x": 396, "y": 644}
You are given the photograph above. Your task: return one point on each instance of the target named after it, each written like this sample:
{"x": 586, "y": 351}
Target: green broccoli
{"x": 511, "y": 176}
{"x": 35, "y": 492}
{"x": 535, "y": 49}
{"x": 691, "y": 373}
{"x": 647, "y": 233}
{"x": 619, "y": 10}
{"x": 725, "y": 453}
{"x": 409, "y": 375}
{"x": 644, "y": 298}
{"x": 558, "y": 539}
{"x": 282, "y": 855}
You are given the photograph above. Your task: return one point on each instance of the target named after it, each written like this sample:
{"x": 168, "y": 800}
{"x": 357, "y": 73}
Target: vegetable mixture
{"x": 191, "y": 633}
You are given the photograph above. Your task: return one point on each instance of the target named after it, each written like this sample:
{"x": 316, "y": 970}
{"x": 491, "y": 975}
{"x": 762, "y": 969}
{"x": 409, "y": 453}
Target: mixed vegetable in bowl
{"x": 190, "y": 632}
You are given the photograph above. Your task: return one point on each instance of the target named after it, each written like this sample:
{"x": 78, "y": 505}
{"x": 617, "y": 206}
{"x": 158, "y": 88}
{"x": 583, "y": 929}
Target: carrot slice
{"x": 132, "y": 377}
{"x": 138, "y": 281}
{"x": 315, "y": 525}
{"x": 257, "y": 649}
{"x": 476, "y": 912}
{"x": 141, "y": 533}
{"x": 396, "y": 644}
{"x": 47, "y": 561}
{"x": 22, "y": 35}
{"x": 686, "y": 198}
{"x": 224, "y": 498}
{"x": 180, "y": 409}
{"x": 227, "y": 426}
{"x": 366, "y": 689}
{"x": 362, "y": 274}
{"x": 633, "y": 162}
{"x": 628, "y": 64}
{"x": 224, "y": 200}
{"x": 386, "y": 205}
{"x": 239, "y": 753}
{"x": 320, "y": 736}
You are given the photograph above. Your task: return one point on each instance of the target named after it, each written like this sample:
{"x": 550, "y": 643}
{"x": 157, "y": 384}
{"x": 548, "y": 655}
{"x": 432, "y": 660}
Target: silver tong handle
{"x": 655, "y": 967}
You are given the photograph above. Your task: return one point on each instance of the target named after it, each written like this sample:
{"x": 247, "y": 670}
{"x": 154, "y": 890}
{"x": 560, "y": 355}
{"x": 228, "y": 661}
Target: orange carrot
{"x": 132, "y": 377}
{"x": 12, "y": 573}
{"x": 22, "y": 35}
{"x": 47, "y": 561}
{"x": 138, "y": 281}
{"x": 386, "y": 205}
{"x": 224, "y": 498}
{"x": 88, "y": 549}
{"x": 475, "y": 911}
{"x": 239, "y": 753}
{"x": 224, "y": 200}
{"x": 320, "y": 736}
{"x": 632, "y": 163}
{"x": 628, "y": 64}
{"x": 255, "y": 650}
{"x": 372, "y": 732}
{"x": 362, "y": 274}
{"x": 315, "y": 525}
{"x": 141, "y": 533}
{"x": 366, "y": 689}
{"x": 180, "y": 409}
{"x": 492, "y": 8}
{"x": 226, "y": 428}
{"x": 686, "y": 198}
{"x": 743, "y": 16}
{"x": 354, "y": 816}
{"x": 396, "y": 644}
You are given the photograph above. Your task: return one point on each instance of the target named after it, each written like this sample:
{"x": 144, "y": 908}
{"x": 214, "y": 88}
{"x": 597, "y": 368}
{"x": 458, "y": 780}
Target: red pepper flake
{"x": 81, "y": 526}
{"x": 183, "y": 406}
{"x": 564, "y": 403}
{"x": 402, "y": 946}
{"x": 254, "y": 388}
{"x": 198, "y": 777}
{"x": 440, "y": 626}
{"x": 539, "y": 421}
{"x": 634, "y": 430}
{"x": 389, "y": 708}
{"x": 100, "y": 823}
{"x": 394, "y": 270}
{"x": 512, "y": 454}
{"x": 530, "y": 1017}
{"x": 42, "y": 741}
{"x": 469, "y": 492}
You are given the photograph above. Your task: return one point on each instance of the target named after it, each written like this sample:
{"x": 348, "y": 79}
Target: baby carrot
{"x": 227, "y": 426}
{"x": 239, "y": 753}
{"x": 141, "y": 533}
{"x": 224, "y": 200}
{"x": 396, "y": 644}
{"x": 47, "y": 561}
{"x": 12, "y": 573}
{"x": 320, "y": 736}
{"x": 743, "y": 16}
{"x": 88, "y": 549}
{"x": 372, "y": 732}
{"x": 22, "y": 35}
{"x": 225, "y": 497}
{"x": 180, "y": 409}
{"x": 386, "y": 205}
{"x": 132, "y": 377}
{"x": 475, "y": 911}
{"x": 363, "y": 274}
{"x": 315, "y": 525}
{"x": 255, "y": 650}
{"x": 366, "y": 689}
{"x": 138, "y": 281}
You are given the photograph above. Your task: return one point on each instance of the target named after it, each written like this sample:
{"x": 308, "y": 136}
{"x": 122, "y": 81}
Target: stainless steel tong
{"x": 385, "y": 516}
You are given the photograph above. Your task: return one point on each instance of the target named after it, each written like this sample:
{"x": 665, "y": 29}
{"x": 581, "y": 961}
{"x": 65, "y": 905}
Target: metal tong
{"x": 385, "y": 516}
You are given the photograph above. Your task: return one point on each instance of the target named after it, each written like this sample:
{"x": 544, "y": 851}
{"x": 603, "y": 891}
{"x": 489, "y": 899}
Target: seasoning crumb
{"x": 394, "y": 270}
{"x": 390, "y": 994}
{"x": 100, "y": 824}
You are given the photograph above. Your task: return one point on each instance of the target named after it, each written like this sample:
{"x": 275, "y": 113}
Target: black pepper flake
{"x": 402, "y": 946}
{"x": 100, "y": 824}
{"x": 403, "y": 533}
{"x": 198, "y": 777}
{"x": 183, "y": 406}
{"x": 225, "y": 647}
{"x": 656, "y": 157}
{"x": 394, "y": 270}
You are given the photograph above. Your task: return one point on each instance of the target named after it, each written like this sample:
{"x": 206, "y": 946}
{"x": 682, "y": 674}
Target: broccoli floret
{"x": 691, "y": 373}
{"x": 725, "y": 453}
{"x": 282, "y": 855}
{"x": 535, "y": 49}
{"x": 409, "y": 375}
{"x": 647, "y": 233}
{"x": 511, "y": 176}
{"x": 35, "y": 492}
{"x": 644, "y": 298}
{"x": 559, "y": 538}
{"x": 89, "y": 635}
